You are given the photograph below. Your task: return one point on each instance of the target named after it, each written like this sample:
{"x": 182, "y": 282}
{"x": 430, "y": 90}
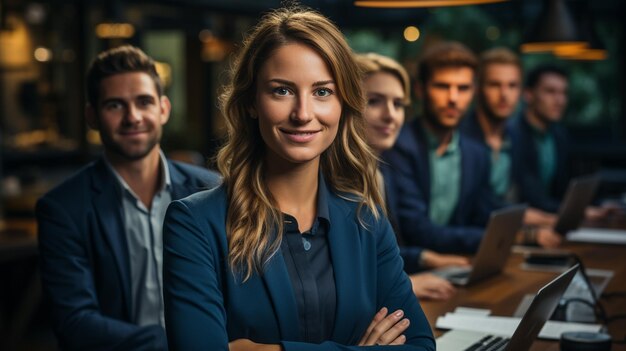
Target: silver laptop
{"x": 494, "y": 249}
{"x": 579, "y": 194}
{"x": 540, "y": 310}
{"x": 587, "y": 285}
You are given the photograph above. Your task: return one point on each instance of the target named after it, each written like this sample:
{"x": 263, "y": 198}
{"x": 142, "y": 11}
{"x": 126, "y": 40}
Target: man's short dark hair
{"x": 122, "y": 59}
{"x": 535, "y": 74}
{"x": 445, "y": 55}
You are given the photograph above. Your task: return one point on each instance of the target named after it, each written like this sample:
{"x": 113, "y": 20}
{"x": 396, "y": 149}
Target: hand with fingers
{"x": 431, "y": 259}
{"x": 548, "y": 238}
{"x": 386, "y": 329}
{"x": 600, "y": 213}
{"x": 537, "y": 217}
{"x": 249, "y": 345}
{"x": 430, "y": 286}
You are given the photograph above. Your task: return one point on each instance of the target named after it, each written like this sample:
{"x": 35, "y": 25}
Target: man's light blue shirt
{"x": 144, "y": 234}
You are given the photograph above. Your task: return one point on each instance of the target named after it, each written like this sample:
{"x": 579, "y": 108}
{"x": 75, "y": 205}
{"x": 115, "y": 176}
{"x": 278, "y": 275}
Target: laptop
{"x": 494, "y": 249}
{"x": 540, "y": 310}
{"x": 579, "y": 194}
{"x": 587, "y": 285}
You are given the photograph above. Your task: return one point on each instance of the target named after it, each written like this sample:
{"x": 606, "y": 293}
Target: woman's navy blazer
{"x": 206, "y": 307}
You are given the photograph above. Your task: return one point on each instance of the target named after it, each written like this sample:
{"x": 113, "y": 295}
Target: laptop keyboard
{"x": 489, "y": 343}
{"x": 459, "y": 275}
{"x": 455, "y": 272}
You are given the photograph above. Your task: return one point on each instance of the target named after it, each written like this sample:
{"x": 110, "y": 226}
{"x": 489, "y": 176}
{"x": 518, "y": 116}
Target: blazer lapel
{"x": 180, "y": 183}
{"x": 278, "y": 284}
{"x": 467, "y": 178}
{"x": 342, "y": 250}
{"x": 423, "y": 172}
{"x": 422, "y": 161}
{"x": 109, "y": 213}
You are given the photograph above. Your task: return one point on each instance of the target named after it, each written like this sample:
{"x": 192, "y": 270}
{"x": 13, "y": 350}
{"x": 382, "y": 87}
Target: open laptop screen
{"x": 579, "y": 194}
{"x": 541, "y": 308}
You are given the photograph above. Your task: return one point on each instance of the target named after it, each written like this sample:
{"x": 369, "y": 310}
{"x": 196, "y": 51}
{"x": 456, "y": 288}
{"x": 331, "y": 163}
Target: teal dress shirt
{"x": 445, "y": 175}
{"x": 500, "y": 177}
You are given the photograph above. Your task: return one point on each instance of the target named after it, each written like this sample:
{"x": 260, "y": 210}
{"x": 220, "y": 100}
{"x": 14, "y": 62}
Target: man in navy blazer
{"x": 442, "y": 178}
{"x": 539, "y": 143}
{"x": 100, "y": 231}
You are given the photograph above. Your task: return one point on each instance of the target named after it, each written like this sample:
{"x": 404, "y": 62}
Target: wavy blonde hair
{"x": 372, "y": 63}
{"x": 254, "y": 223}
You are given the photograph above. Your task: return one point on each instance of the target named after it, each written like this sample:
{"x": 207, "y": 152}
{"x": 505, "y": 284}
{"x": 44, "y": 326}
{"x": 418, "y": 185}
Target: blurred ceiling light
{"x": 19, "y": 39}
{"x": 411, "y": 33}
{"x": 43, "y": 54}
{"x": 550, "y": 46}
{"x": 214, "y": 49}
{"x": 554, "y": 29}
{"x": 115, "y": 30}
{"x": 164, "y": 70}
{"x": 584, "y": 54}
{"x": 420, "y": 3}
{"x": 93, "y": 137}
{"x": 595, "y": 51}
{"x": 114, "y": 27}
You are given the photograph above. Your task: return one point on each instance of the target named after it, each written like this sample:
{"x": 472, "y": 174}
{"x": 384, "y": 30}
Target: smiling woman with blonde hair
{"x": 292, "y": 251}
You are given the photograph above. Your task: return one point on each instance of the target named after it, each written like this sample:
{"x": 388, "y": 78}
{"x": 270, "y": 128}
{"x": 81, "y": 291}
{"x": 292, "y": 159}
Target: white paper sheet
{"x": 598, "y": 236}
{"x": 505, "y": 326}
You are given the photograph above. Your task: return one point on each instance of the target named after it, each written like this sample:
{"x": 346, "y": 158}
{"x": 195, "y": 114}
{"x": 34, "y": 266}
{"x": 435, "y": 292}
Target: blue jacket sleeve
{"x": 191, "y": 287}
{"x": 68, "y": 283}
{"x": 411, "y": 256}
{"x": 395, "y": 291}
{"x": 527, "y": 180}
{"x": 531, "y": 187}
{"x": 485, "y": 201}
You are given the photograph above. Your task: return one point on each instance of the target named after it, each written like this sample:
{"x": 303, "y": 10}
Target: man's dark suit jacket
{"x": 207, "y": 305}
{"x": 526, "y": 166}
{"x": 411, "y": 255}
{"x": 85, "y": 260}
{"x": 411, "y": 169}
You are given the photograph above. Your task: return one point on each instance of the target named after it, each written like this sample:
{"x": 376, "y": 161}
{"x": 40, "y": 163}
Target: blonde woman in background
{"x": 292, "y": 251}
{"x": 387, "y": 89}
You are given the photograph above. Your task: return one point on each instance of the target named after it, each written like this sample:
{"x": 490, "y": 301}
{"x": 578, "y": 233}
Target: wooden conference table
{"x": 503, "y": 293}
